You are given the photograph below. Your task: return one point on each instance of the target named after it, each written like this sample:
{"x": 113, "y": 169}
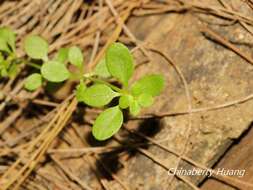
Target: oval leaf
{"x": 75, "y": 56}
{"x": 119, "y": 62}
{"x": 33, "y": 81}
{"x": 36, "y": 47}
{"x": 145, "y": 100}
{"x": 150, "y": 84}
{"x": 13, "y": 70}
{"x": 124, "y": 101}
{"x": 62, "y": 55}
{"x": 99, "y": 95}
{"x": 54, "y": 71}
{"x": 4, "y": 46}
{"x": 101, "y": 69}
{"x": 134, "y": 108}
{"x": 107, "y": 123}
{"x": 4, "y": 72}
{"x": 1, "y": 58}
{"x": 80, "y": 89}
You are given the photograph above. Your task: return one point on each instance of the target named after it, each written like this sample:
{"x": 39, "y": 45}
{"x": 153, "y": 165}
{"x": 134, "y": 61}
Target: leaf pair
{"x": 135, "y": 103}
{"x": 144, "y": 90}
{"x": 55, "y": 70}
{"x": 142, "y": 93}
{"x": 98, "y": 95}
{"x": 8, "y": 67}
{"x": 73, "y": 55}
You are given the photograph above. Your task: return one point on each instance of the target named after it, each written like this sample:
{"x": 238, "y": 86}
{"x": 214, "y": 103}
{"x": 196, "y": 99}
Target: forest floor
{"x": 202, "y": 120}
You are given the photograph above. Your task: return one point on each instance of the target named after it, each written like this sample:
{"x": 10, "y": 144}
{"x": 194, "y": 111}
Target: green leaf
{"x": 124, "y": 101}
{"x": 101, "y": 69}
{"x": 119, "y": 62}
{"x": 99, "y": 95}
{"x": 134, "y": 108}
{"x": 54, "y": 71}
{"x": 75, "y": 56}
{"x": 1, "y": 58}
{"x": 13, "y": 70}
{"x": 107, "y": 123}
{"x": 62, "y": 55}
{"x": 80, "y": 89}
{"x": 33, "y": 82}
{"x": 150, "y": 84}
{"x": 4, "y": 66}
{"x": 36, "y": 47}
{"x": 8, "y": 36}
{"x": 4, "y": 45}
{"x": 4, "y": 72}
{"x": 145, "y": 100}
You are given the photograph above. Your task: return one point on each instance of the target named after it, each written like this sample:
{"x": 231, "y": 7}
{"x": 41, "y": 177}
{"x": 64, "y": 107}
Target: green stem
{"x": 75, "y": 76}
{"x": 108, "y": 84}
{"x": 34, "y": 65}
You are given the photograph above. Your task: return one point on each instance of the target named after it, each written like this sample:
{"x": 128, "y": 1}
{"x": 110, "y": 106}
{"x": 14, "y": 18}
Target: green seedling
{"x": 54, "y": 70}
{"x": 118, "y": 64}
{"x": 94, "y": 88}
{"x": 7, "y": 40}
{"x": 9, "y": 64}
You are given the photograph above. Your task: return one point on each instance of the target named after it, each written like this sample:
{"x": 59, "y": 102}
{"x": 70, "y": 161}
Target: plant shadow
{"x": 109, "y": 163}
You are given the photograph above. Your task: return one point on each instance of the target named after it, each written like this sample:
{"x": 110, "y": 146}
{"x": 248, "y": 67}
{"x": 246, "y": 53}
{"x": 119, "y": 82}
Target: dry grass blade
{"x": 93, "y": 26}
{"x": 114, "y": 36}
{"x": 18, "y": 172}
{"x": 227, "y": 44}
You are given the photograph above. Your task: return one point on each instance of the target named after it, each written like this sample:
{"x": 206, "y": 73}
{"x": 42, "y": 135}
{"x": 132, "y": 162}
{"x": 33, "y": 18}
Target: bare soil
{"x": 204, "y": 49}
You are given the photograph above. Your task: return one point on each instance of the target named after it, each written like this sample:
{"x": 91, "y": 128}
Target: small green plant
{"x": 9, "y": 64}
{"x": 93, "y": 89}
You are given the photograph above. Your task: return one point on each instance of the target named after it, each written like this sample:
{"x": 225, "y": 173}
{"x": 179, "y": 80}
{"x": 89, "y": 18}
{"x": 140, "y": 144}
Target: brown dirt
{"x": 212, "y": 72}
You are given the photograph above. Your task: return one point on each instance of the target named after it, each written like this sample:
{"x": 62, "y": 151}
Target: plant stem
{"x": 34, "y": 65}
{"x": 108, "y": 84}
